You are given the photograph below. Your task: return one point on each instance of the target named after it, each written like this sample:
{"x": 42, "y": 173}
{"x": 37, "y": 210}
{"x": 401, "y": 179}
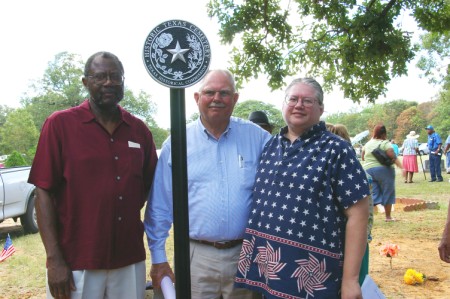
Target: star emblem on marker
{"x": 177, "y": 53}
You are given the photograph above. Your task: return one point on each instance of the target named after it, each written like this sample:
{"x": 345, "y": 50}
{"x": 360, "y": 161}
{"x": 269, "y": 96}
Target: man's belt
{"x": 220, "y": 245}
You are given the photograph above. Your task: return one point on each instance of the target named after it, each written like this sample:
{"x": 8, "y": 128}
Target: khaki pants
{"x": 126, "y": 282}
{"x": 212, "y": 274}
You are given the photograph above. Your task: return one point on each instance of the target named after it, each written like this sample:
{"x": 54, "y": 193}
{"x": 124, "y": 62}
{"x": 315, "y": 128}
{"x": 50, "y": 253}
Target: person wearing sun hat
{"x": 410, "y": 151}
{"x": 260, "y": 118}
{"x": 434, "y": 145}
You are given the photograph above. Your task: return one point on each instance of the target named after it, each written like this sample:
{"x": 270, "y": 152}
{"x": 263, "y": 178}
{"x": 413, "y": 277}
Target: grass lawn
{"x": 23, "y": 274}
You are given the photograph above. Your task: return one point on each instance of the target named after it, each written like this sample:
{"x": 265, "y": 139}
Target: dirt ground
{"x": 419, "y": 254}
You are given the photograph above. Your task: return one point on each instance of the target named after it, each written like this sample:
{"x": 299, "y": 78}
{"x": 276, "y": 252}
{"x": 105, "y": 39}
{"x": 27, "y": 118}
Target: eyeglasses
{"x": 291, "y": 101}
{"x": 222, "y": 93}
{"x": 102, "y": 78}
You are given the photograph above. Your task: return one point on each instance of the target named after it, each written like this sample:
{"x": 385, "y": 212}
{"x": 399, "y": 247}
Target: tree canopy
{"x": 434, "y": 61}
{"x": 18, "y": 132}
{"x": 356, "y": 45}
{"x": 61, "y": 88}
{"x": 15, "y": 159}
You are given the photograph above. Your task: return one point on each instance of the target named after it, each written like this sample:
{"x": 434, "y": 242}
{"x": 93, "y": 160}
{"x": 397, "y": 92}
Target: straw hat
{"x": 412, "y": 134}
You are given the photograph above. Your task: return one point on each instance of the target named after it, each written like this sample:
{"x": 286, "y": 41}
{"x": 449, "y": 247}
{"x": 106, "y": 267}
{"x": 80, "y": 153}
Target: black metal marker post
{"x": 177, "y": 55}
{"x": 180, "y": 193}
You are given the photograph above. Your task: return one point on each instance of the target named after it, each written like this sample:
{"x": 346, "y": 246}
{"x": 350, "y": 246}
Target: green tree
{"x": 434, "y": 60}
{"x": 394, "y": 109}
{"x": 60, "y": 88}
{"x": 4, "y": 111}
{"x": 194, "y": 116}
{"x": 140, "y": 106}
{"x": 243, "y": 110}
{"x": 441, "y": 119}
{"x": 18, "y": 132}
{"x": 428, "y": 110}
{"x": 356, "y": 122}
{"x": 358, "y": 46}
{"x": 411, "y": 119}
{"x": 15, "y": 159}
{"x": 159, "y": 135}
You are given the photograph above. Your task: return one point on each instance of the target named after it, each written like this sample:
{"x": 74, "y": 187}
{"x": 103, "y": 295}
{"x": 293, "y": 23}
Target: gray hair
{"x": 311, "y": 82}
{"x": 225, "y": 72}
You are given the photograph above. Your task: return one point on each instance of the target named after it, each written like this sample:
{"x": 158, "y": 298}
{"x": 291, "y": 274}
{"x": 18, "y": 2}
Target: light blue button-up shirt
{"x": 221, "y": 174}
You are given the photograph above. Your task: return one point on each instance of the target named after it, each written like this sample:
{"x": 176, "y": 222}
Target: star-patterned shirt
{"x": 294, "y": 241}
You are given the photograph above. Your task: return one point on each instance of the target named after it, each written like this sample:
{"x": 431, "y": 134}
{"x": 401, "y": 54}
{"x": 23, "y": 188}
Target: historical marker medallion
{"x": 177, "y": 54}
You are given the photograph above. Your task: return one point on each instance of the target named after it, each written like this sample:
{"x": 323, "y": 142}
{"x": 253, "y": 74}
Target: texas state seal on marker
{"x": 177, "y": 54}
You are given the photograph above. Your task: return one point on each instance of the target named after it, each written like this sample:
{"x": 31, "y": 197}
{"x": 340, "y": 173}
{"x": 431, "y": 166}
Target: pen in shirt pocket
{"x": 241, "y": 161}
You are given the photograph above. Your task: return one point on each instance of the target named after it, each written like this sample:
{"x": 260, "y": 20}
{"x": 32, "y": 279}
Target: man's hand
{"x": 157, "y": 273}
{"x": 60, "y": 279}
{"x": 444, "y": 247}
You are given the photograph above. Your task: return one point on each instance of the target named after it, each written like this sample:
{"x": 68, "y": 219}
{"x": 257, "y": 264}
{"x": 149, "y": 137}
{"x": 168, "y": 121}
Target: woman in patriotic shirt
{"x": 307, "y": 230}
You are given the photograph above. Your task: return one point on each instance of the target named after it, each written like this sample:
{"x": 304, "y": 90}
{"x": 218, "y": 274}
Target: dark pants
{"x": 435, "y": 167}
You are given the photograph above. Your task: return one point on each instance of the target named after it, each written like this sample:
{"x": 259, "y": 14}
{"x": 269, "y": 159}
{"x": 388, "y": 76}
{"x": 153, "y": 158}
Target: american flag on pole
{"x": 8, "y": 250}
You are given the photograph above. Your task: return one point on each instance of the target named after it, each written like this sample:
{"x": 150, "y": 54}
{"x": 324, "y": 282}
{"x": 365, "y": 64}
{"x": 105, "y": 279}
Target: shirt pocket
{"x": 247, "y": 173}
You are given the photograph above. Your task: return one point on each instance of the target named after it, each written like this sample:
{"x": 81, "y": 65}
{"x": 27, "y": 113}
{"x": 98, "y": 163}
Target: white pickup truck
{"x": 17, "y": 198}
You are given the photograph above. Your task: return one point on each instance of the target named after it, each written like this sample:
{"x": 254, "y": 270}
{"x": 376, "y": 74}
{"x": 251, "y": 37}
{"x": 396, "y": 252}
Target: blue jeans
{"x": 435, "y": 167}
{"x": 383, "y": 184}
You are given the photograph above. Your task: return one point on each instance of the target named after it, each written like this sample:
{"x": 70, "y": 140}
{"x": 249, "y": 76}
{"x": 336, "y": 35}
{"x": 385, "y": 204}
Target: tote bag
{"x": 381, "y": 156}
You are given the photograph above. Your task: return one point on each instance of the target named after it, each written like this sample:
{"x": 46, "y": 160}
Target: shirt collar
{"x": 87, "y": 115}
{"x": 320, "y": 126}
{"x": 208, "y": 135}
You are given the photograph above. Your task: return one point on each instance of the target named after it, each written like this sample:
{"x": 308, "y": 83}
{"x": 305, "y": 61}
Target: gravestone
{"x": 427, "y": 165}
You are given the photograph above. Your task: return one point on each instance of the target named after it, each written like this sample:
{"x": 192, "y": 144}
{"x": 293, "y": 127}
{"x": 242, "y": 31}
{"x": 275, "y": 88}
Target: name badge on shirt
{"x": 133, "y": 144}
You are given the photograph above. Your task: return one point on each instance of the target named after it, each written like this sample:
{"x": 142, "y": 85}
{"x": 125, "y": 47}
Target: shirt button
{"x": 120, "y": 197}
{"x": 116, "y": 158}
{"x": 120, "y": 218}
{"x": 112, "y": 139}
{"x": 118, "y": 178}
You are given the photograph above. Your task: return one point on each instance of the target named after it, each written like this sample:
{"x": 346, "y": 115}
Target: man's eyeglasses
{"x": 291, "y": 101}
{"x": 222, "y": 93}
{"x": 101, "y": 78}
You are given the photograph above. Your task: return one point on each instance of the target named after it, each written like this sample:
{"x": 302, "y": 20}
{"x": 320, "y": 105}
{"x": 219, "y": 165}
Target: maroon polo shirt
{"x": 100, "y": 182}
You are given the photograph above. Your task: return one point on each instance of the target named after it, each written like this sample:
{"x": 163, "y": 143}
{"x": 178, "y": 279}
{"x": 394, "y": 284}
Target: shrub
{"x": 15, "y": 159}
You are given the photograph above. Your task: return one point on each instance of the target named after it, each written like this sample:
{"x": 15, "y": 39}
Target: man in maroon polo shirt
{"x": 93, "y": 170}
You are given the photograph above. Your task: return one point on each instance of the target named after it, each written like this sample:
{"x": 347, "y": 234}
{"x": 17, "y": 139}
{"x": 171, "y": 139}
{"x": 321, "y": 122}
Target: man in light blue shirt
{"x": 222, "y": 155}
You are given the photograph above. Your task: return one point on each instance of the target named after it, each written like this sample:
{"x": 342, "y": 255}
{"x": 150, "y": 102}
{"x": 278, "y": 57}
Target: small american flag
{"x": 8, "y": 250}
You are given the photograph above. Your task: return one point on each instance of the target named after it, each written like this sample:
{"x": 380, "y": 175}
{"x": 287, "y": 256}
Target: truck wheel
{"x": 28, "y": 220}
